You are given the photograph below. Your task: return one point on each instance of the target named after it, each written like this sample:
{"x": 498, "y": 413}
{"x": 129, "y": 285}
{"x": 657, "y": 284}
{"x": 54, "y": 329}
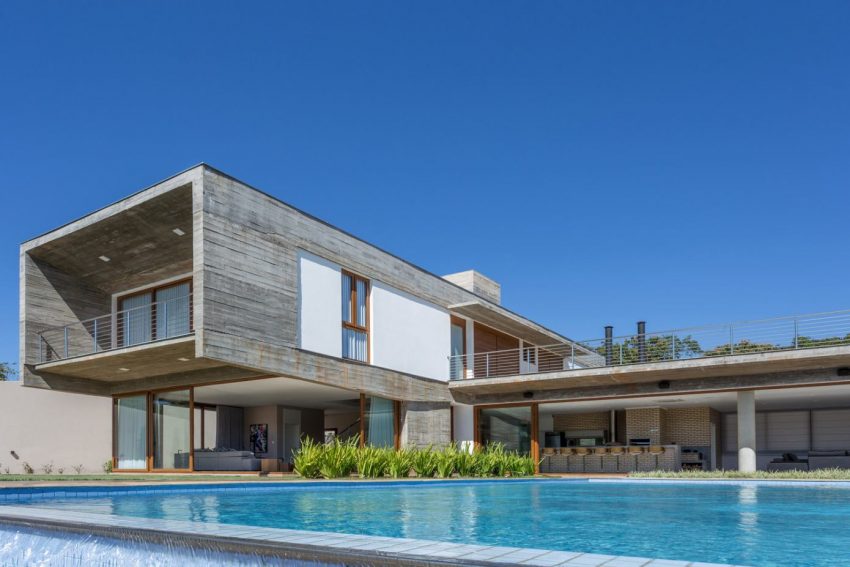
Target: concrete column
{"x": 464, "y": 426}
{"x": 747, "y": 431}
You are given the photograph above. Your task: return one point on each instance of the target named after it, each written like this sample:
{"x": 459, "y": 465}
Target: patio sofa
{"x": 829, "y": 460}
{"x": 788, "y": 462}
{"x": 225, "y": 460}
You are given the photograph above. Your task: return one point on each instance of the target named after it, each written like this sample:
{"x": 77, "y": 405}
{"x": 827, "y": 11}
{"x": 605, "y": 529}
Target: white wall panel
{"x": 409, "y": 334}
{"x": 319, "y": 305}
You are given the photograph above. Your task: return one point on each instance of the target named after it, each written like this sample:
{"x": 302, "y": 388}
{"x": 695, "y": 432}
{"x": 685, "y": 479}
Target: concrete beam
{"x": 631, "y": 376}
{"x": 646, "y": 389}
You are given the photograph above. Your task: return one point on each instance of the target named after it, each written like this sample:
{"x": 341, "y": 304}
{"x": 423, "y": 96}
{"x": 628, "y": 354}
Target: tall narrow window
{"x": 355, "y": 317}
{"x": 457, "y": 362}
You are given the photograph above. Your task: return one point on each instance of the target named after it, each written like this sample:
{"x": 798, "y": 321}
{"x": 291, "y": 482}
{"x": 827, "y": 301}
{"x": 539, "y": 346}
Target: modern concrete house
{"x": 222, "y": 325}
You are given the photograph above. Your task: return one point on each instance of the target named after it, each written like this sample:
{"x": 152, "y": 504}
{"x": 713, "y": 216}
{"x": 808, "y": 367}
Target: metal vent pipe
{"x": 641, "y": 341}
{"x": 609, "y": 345}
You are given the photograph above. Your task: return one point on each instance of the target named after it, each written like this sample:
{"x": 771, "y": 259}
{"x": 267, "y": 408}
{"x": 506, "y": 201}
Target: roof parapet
{"x": 477, "y": 283}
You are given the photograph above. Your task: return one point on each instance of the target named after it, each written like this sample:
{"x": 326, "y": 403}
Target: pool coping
{"x": 328, "y": 547}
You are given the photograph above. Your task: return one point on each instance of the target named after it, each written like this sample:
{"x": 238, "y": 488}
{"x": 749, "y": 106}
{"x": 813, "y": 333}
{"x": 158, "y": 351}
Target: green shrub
{"x": 338, "y": 458}
{"x": 107, "y": 466}
{"x": 446, "y": 462}
{"x": 307, "y": 459}
{"x": 466, "y": 463}
{"x": 400, "y": 462}
{"x": 425, "y": 462}
{"x": 372, "y": 462}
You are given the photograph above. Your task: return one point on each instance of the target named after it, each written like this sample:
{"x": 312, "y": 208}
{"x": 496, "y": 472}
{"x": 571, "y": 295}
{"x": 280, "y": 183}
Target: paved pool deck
{"x": 327, "y": 548}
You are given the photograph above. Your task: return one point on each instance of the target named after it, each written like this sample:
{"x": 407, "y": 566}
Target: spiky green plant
{"x": 339, "y": 458}
{"x": 372, "y": 462}
{"x": 446, "y": 461}
{"x": 425, "y": 462}
{"x": 466, "y": 462}
{"x": 400, "y": 462}
{"x": 307, "y": 459}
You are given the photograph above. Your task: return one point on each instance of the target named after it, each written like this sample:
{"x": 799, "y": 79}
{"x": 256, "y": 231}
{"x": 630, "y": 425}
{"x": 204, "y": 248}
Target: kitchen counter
{"x": 629, "y": 460}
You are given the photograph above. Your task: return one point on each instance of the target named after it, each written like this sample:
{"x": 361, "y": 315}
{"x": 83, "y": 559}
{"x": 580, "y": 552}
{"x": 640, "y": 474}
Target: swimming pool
{"x": 736, "y": 523}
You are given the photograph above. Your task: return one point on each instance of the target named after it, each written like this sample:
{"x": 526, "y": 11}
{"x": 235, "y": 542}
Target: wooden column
{"x": 362, "y": 420}
{"x": 535, "y": 434}
{"x": 192, "y": 429}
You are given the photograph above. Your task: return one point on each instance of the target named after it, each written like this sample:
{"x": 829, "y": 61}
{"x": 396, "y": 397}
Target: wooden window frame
{"x": 119, "y": 302}
{"x": 352, "y": 304}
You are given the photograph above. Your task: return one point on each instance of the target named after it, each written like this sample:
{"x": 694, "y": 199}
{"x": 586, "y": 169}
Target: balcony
{"x": 143, "y": 324}
{"x": 819, "y": 330}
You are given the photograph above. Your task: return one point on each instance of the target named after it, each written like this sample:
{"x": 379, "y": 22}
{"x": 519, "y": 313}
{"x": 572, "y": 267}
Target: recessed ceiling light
{"x": 104, "y": 258}
{"x": 183, "y": 359}
{"x": 177, "y": 231}
{"x": 122, "y": 369}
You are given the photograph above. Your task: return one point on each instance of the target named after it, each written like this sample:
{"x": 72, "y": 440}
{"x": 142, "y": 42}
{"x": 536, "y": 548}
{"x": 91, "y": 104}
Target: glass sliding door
{"x": 172, "y": 311}
{"x": 135, "y": 326}
{"x": 510, "y": 426}
{"x": 171, "y": 420}
{"x": 378, "y": 421}
{"x": 131, "y": 432}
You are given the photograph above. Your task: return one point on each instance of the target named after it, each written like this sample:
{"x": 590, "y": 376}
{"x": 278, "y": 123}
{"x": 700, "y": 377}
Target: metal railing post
{"x": 572, "y": 355}
{"x": 487, "y": 365}
{"x": 66, "y": 341}
{"x": 165, "y": 317}
{"x": 673, "y": 345}
{"x": 796, "y": 334}
{"x": 621, "y": 354}
{"x": 40, "y": 347}
{"x": 94, "y": 336}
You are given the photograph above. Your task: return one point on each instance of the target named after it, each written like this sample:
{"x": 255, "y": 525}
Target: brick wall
{"x": 644, "y": 423}
{"x": 690, "y": 427}
{"x": 581, "y": 421}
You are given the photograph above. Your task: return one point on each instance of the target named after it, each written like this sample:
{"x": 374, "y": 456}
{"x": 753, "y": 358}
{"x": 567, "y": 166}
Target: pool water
{"x": 743, "y": 524}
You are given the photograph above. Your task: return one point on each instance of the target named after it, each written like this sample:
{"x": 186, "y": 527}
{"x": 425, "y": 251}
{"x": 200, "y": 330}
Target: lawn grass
{"x": 820, "y": 474}
{"x": 140, "y": 477}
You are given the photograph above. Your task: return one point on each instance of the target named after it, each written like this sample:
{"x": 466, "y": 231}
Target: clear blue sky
{"x": 679, "y": 162}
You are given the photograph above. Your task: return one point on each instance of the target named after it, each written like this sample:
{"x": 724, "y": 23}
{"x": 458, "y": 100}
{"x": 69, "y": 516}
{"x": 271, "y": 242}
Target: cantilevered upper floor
{"x": 201, "y": 278}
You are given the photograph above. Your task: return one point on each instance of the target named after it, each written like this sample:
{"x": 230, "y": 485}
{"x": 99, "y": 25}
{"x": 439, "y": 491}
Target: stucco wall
{"x": 319, "y": 305}
{"x": 43, "y": 426}
{"x": 409, "y": 334}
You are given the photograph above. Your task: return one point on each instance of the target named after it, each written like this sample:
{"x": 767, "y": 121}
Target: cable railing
{"x": 155, "y": 321}
{"x": 816, "y": 330}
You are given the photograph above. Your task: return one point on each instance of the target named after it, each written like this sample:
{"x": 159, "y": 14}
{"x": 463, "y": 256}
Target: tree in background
{"x": 7, "y": 371}
{"x": 658, "y": 348}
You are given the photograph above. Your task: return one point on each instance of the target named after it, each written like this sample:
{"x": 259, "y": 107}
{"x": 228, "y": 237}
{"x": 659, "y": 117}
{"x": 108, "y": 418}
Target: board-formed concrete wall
{"x": 42, "y": 427}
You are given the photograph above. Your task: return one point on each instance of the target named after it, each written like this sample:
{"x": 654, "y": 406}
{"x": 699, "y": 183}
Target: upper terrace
{"x": 816, "y": 330}
{"x": 784, "y": 351}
